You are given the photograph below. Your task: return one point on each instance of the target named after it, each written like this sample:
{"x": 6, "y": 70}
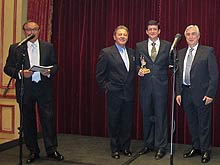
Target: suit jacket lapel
{"x": 161, "y": 49}
{"x": 119, "y": 59}
{"x": 181, "y": 59}
{"x": 130, "y": 57}
{"x": 27, "y": 59}
{"x": 145, "y": 49}
{"x": 41, "y": 49}
{"x": 162, "y": 46}
{"x": 117, "y": 56}
{"x": 197, "y": 56}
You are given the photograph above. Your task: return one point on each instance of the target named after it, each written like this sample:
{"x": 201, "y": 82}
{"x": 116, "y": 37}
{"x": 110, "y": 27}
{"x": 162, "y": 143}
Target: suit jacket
{"x": 14, "y": 61}
{"x": 203, "y": 74}
{"x": 158, "y": 77}
{"x": 111, "y": 72}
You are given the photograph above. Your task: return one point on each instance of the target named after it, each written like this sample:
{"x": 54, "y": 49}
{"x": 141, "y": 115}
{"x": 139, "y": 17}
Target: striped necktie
{"x": 153, "y": 52}
{"x": 188, "y": 67}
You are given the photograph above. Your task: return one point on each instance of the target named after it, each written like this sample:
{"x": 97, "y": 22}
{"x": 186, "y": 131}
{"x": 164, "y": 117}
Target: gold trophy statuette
{"x": 144, "y": 69}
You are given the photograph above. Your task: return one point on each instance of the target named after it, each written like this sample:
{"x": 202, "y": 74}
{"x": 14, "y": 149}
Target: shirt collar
{"x": 157, "y": 41}
{"x": 120, "y": 49}
{"x": 30, "y": 43}
{"x": 194, "y": 48}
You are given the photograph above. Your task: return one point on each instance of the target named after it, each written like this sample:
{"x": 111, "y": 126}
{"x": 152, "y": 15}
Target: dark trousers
{"x": 199, "y": 121}
{"x": 120, "y": 116}
{"x": 44, "y": 102}
{"x": 154, "y": 109}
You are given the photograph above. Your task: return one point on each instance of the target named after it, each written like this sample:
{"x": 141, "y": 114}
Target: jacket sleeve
{"x": 102, "y": 70}
{"x": 12, "y": 65}
{"x": 213, "y": 74}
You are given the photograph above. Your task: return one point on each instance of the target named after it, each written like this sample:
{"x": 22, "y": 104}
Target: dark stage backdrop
{"x": 81, "y": 28}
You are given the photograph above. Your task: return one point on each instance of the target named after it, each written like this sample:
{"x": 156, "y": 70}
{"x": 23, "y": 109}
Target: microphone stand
{"x": 21, "y": 110}
{"x": 20, "y": 128}
{"x": 173, "y": 105}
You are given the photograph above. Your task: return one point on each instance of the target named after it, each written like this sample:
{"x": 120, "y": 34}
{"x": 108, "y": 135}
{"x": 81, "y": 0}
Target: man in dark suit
{"x": 115, "y": 75}
{"x": 37, "y": 88}
{"x": 152, "y": 58}
{"x": 196, "y": 86}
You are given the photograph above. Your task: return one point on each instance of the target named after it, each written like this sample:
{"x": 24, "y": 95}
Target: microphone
{"x": 176, "y": 40}
{"x": 29, "y": 37}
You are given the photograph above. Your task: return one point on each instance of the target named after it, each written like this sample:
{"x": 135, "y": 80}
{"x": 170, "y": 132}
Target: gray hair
{"x": 192, "y": 26}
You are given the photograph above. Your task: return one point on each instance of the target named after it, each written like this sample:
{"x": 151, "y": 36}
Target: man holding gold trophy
{"x": 152, "y": 61}
{"x": 143, "y": 68}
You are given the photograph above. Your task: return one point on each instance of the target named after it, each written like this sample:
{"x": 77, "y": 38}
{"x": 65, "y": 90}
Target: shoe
{"x": 56, "y": 155}
{"x": 205, "y": 157}
{"x": 145, "y": 150}
{"x": 115, "y": 155}
{"x": 127, "y": 153}
{"x": 32, "y": 157}
{"x": 191, "y": 153}
{"x": 159, "y": 154}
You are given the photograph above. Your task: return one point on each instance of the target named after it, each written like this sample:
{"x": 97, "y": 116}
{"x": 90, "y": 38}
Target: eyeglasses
{"x": 30, "y": 30}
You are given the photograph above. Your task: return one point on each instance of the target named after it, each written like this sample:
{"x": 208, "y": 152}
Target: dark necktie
{"x": 153, "y": 52}
{"x": 188, "y": 67}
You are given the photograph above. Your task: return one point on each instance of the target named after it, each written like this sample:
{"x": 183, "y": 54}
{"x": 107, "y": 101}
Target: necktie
{"x": 153, "y": 52}
{"x": 35, "y": 61}
{"x": 188, "y": 67}
{"x": 125, "y": 58}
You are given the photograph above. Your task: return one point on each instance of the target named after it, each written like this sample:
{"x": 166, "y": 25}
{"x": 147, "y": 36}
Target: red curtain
{"x": 41, "y": 12}
{"x": 82, "y": 27}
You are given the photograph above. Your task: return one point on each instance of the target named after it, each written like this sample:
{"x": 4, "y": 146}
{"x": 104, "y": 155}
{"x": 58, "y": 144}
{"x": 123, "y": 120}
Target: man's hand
{"x": 46, "y": 72}
{"x": 207, "y": 100}
{"x": 26, "y": 73}
{"x": 141, "y": 72}
{"x": 178, "y": 99}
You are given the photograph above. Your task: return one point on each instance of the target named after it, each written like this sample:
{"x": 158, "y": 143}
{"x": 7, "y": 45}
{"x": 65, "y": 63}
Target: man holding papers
{"x": 41, "y": 69}
{"x": 37, "y": 89}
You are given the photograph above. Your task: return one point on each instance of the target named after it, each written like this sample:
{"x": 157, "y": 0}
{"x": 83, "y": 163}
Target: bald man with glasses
{"x": 37, "y": 89}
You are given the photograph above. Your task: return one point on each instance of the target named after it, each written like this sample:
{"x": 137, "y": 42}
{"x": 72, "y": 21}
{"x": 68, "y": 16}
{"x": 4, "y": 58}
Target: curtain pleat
{"x": 41, "y": 11}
